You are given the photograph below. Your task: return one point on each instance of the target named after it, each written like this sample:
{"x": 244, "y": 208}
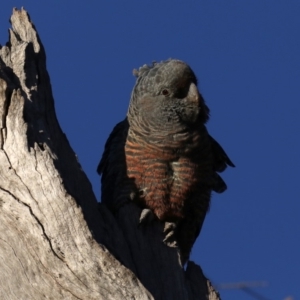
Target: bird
{"x": 161, "y": 156}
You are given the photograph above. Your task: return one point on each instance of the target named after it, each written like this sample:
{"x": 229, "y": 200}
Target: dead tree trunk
{"x": 55, "y": 241}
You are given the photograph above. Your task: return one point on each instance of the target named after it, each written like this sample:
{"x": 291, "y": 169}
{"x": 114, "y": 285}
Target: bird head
{"x": 166, "y": 96}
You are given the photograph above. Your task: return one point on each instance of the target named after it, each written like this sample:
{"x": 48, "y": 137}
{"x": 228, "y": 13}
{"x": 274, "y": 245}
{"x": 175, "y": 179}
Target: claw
{"x": 170, "y": 238}
{"x": 147, "y": 216}
{"x": 169, "y": 226}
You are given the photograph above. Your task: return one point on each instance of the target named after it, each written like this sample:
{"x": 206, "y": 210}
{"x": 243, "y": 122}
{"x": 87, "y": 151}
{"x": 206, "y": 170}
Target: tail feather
{"x": 221, "y": 161}
{"x": 219, "y": 184}
{"x": 220, "y": 157}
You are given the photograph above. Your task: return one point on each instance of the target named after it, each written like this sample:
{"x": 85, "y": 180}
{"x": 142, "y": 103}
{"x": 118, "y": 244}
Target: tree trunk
{"x": 56, "y": 241}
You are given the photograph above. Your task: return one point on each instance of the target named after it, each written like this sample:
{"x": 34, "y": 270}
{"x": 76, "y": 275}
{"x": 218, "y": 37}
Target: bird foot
{"x": 169, "y": 231}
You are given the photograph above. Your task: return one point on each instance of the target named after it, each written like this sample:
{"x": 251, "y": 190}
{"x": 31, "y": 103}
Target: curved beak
{"x": 193, "y": 94}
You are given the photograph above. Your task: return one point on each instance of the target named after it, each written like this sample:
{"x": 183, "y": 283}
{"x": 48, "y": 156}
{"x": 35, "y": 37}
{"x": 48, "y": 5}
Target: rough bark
{"x": 56, "y": 242}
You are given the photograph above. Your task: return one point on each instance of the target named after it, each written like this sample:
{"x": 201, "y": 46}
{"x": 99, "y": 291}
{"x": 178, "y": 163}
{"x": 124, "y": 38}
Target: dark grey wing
{"x": 115, "y": 142}
{"x": 189, "y": 228}
{"x": 221, "y": 161}
{"x": 112, "y": 166}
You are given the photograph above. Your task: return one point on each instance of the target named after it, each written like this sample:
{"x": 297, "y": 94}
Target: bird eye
{"x": 165, "y": 92}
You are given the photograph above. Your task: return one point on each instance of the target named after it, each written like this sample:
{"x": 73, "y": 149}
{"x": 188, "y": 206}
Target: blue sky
{"x": 246, "y": 55}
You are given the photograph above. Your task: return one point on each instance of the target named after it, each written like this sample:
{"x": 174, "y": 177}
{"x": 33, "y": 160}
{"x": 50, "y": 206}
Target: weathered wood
{"x": 56, "y": 242}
